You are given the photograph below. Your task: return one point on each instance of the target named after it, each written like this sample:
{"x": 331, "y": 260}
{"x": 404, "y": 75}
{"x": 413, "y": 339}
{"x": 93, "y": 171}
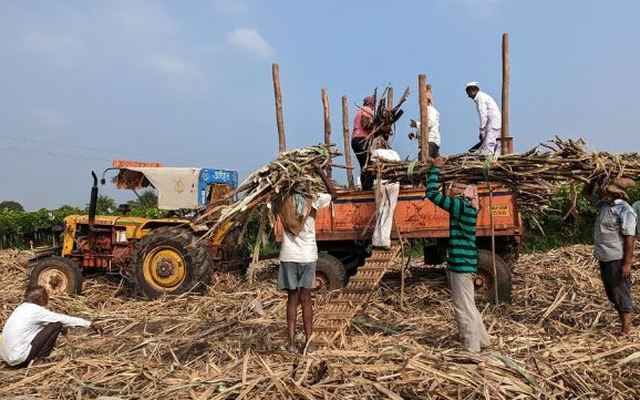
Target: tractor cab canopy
{"x": 178, "y": 188}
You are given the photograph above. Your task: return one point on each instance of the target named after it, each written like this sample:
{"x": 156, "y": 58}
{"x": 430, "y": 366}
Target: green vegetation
{"x": 569, "y": 222}
{"x": 10, "y": 205}
{"x": 18, "y": 228}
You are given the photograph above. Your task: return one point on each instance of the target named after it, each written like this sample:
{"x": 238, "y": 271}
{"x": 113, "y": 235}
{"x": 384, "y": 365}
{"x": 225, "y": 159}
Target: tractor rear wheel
{"x": 330, "y": 273}
{"x": 57, "y": 275}
{"x": 484, "y": 283}
{"x": 168, "y": 261}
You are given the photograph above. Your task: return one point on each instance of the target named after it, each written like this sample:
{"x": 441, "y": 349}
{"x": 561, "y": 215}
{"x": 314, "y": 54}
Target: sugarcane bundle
{"x": 292, "y": 170}
{"x": 385, "y": 116}
{"x": 534, "y": 175}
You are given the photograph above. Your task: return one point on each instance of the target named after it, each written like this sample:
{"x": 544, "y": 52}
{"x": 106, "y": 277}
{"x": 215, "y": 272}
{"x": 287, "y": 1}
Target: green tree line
{"x": 569, "y": 221}
{"x": 18, "y": 228}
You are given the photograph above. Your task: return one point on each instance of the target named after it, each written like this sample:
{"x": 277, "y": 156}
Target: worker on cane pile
{"x": 299, "y": 254}
{"x": 386, "y": 193}
{"x": 434, "y": 129}
{"x": 360, "y": 140}
{"x": 31, "y": 331}
{"x": 490, "y": 120}
{"x": 462, "y": 259}
{"x": 614, "y": 240}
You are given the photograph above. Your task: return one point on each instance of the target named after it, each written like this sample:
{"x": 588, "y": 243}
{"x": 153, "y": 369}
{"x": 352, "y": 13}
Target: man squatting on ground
{"x": 614, "y": 241}
{"x": 299, "y": 255}
{"x": 31, "y": 331}
{"x": 462, "y": 255}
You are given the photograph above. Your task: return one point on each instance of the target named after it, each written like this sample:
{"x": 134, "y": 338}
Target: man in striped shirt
{"x": 462, "y": 257}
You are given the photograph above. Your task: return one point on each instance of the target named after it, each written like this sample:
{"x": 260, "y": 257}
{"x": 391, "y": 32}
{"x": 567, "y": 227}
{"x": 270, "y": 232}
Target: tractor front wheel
{"x": 168, "y": 261}
{"x": 57, "y": 275}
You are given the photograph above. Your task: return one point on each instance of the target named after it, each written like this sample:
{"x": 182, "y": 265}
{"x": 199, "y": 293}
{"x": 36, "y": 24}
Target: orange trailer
{"x": 344, "y": 230}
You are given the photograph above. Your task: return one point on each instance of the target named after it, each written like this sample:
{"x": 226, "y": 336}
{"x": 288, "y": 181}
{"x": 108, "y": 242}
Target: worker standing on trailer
{"x": 462, "y": 258}
{"x": 299, "y": 255}
{"x": 490, "y": 120}
{"x": 31, "y": 331}
{"x": 360, "y": 140}
{"x": 434, "y": 129}
{"x": 614, "y": 240}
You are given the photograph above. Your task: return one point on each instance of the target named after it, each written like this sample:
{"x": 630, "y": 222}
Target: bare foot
{"x": 292, "y": 348}
{"x": 310, "y": 349}
{"x": 622, "y": 334}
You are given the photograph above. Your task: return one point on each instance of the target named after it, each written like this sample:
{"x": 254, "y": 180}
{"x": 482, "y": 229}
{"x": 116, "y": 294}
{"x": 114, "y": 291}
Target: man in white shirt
{"x": 490, "y": 120}
{"x": 299, "y": 256}
{"x": 434, "y": 129}
{"x": 31, "y": 331}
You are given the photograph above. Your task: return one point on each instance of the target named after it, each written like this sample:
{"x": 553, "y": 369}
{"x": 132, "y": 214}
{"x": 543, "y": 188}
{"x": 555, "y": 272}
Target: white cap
{"x": 471, "y": 84}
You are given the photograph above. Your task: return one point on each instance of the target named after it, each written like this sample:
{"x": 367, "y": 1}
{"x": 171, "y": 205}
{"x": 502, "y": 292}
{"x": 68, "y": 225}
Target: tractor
{"x": 161, "y": 256}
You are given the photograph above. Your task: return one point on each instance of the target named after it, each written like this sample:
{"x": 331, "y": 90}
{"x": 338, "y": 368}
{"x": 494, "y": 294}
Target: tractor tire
{"x": 57, "y": 275}
{"x": 168, "y": 261}
{"x": 330, "y": 273}
{"x": 484, "y": 283}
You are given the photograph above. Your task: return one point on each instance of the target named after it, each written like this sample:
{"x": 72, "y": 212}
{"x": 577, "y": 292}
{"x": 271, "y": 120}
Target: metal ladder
{"x": 334, "y": 318}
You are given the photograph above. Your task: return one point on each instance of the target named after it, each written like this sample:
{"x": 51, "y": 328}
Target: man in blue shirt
{"x": 614, "y": 240}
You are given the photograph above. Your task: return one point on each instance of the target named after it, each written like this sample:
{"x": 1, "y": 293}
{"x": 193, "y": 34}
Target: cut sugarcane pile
{"x": 534, "y": 176}
{"x": 556, "y": 341}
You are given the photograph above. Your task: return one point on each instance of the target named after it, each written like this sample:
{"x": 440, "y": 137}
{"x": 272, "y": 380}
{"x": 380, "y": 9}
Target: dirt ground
{"x": 556, "y": 339}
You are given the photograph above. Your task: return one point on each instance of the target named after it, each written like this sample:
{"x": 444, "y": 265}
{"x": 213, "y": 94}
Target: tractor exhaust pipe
{"x": 94, "y": 201}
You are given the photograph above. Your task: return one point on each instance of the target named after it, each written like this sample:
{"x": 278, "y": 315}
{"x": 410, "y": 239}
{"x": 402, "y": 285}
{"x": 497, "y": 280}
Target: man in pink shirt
{"x": 362, "y": 125}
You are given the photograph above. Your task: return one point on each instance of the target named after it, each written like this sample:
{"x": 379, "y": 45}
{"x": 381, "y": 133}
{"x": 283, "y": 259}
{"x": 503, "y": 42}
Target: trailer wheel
{"x": 57, "y": 275}
{"x": 484, "y": 282}
{"x": 168, "y": 261}
{"x": 330, "y": 273}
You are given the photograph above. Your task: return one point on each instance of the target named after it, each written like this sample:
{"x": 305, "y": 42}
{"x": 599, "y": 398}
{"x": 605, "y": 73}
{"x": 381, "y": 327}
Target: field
{"x": 555, "y": 340}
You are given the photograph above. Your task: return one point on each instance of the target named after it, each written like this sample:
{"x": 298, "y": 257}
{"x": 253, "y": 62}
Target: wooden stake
{"x": 507, "y": 140}
{"x": 390, "y": 98}
{"x": 424, "y": 118}
{"x": 275, "y": 71}
{"x": 327, "y": 122}
{"x": 347, "y": 142}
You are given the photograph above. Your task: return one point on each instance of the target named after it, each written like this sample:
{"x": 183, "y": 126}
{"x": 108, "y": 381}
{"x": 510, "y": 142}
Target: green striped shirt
{"x": 462, "y": 251}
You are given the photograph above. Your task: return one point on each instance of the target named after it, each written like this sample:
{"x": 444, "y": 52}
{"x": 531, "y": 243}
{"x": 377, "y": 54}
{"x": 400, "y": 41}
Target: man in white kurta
{"x": 490, "y": 119}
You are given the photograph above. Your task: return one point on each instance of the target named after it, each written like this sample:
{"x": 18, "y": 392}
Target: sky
{"x": 189, "y": 83}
